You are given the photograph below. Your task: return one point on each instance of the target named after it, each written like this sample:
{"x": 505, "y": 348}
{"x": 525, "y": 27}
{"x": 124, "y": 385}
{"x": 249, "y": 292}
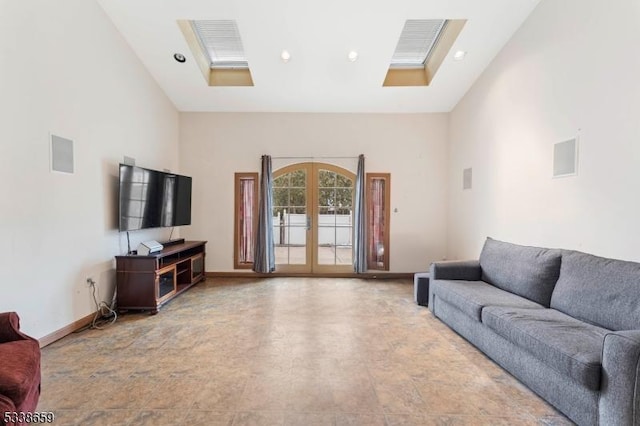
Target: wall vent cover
{"x": 467, "y": 177}
{"x": 565, "y": 158}
{"x": 61, "y": 154}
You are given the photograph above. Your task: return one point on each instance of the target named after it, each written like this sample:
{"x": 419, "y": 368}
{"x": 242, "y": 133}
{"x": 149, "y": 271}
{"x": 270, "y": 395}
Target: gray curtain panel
{"x": 264, "y": 254}
{"x": 359, "y": 228}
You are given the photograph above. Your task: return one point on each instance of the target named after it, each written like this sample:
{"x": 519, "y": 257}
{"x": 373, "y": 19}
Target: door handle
{"x": 308, "y": 223}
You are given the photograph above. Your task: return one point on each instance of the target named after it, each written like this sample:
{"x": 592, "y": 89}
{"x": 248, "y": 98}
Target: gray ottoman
{"x": 421, "y": 288}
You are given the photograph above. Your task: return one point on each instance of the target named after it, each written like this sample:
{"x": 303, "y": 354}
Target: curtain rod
{"x": 320, "y": 158}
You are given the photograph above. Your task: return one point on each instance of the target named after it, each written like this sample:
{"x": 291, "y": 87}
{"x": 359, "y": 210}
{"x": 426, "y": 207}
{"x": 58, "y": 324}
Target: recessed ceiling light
{"x": 180, "y": 58}
{"x": 353, "y": 55}
{"x": 285, "y": 55}
{"x": 459, "y": 55}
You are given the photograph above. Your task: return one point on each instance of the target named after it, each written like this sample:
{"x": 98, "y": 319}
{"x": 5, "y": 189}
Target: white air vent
{"x": 565, "y": 158}
{"x": 467, "y": 178}
{"x": 220, "y": 39}
{"x": 61, "y": 154}
{"x": 417, "y": 40}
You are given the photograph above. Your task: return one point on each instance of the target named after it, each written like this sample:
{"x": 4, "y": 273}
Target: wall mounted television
{"x": 153, "y": 199}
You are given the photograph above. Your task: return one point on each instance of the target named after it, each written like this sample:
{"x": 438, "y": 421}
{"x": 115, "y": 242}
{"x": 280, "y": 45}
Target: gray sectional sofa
{"x": 565, "y": 323}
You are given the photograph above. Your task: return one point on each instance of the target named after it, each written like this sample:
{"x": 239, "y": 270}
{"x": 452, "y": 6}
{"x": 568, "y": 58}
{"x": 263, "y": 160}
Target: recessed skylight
{"x": 422, "y": 48}
{"x": 217, "y": 50}
{"x": 417, "y": 40}
{"x": 221, "y": 41}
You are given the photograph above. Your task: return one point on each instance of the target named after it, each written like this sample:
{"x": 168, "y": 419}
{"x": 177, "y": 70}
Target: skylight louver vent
{"x": 417, "y": 40}
{"x": 423, "y": 46}
{"x": 217, "y": 50}
{"x": 220, "y": 39}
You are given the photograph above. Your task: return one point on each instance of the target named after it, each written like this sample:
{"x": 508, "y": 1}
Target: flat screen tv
{"x": 153, "y": 199}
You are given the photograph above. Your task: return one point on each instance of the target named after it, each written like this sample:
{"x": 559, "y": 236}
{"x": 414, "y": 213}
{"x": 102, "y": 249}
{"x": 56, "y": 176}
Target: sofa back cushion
{"x": 530, "y": 272}
{"x": 604, "y": 292}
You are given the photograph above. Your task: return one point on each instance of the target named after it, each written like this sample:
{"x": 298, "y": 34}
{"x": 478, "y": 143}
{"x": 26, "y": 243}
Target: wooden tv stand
{"x": 147, "y": 282}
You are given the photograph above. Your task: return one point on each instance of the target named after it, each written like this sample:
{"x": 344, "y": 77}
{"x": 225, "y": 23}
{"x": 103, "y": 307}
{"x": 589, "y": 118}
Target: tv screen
{"x": 153, "y": 199}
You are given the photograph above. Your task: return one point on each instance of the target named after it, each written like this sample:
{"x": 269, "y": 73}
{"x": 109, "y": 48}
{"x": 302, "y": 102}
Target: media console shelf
{"x": 147, "y": 282}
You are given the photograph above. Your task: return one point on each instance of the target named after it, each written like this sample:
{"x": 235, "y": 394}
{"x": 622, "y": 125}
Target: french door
{"x": 313, "y": 218}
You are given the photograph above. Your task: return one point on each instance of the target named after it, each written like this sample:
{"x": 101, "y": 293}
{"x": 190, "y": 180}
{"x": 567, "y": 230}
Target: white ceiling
{"x": 319, "y": 35}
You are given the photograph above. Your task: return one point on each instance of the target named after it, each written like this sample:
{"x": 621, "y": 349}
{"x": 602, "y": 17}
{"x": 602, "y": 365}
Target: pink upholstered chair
{"x": 19, "y": 367}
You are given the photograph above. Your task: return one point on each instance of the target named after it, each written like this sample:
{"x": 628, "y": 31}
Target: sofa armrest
{"x": 10, "y": 328}
{"x": 468, "y": 270}
{"x": 620, "y": 387}
{"x": 6, "y": 406}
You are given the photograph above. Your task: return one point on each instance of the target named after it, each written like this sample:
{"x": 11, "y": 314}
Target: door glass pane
{"x": 297, "y": 197}
{"x": 326, "y": 245}
{"x": 298, "y": 179}
{"x": 281, "y": 181}
{"x": 344, "y": 248}
{"x": 326, "y": 179}
{"x": 344, "y": 197}
{"x": 297, "y": 237}
{"x": 280, "y": 199}
{"x": 326, "y": 198}
{"x": 343, "y": 181}
{"x": 335, "y": 217}
{"x": 290, "y": 218}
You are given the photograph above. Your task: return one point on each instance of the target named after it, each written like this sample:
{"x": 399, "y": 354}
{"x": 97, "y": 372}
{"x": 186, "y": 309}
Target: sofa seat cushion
{"x": 471, "y": 296}
{"x": 530, "y": 272}
{"x": 571, "y": 347}
{"x": 598, "y": 290}
{"x": 19, "y": 369}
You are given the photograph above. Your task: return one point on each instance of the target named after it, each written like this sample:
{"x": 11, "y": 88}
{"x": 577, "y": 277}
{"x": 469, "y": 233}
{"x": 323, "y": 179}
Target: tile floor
{"x": 283, "y": 351}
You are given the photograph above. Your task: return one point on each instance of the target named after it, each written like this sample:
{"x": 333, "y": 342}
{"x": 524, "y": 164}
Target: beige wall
{"x": 412, "y": 147}
{"x": 64, "y": 69}
{"x": 572, "y": 65}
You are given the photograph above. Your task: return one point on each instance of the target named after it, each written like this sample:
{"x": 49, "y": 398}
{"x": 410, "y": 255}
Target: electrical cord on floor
{"x": 105, "y": 314}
